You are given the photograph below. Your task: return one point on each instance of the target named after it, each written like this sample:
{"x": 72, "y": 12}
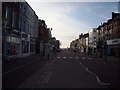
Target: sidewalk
{"x": 12, "y": 63}
{"x": 109, "y": 59}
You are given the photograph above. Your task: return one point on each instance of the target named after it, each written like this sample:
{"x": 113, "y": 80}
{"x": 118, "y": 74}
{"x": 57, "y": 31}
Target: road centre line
{"x": 64, "y": 57}
{"x": 89, "y": 58}
{"x": 58, "y": 57}
{"x": 77, "y": 57}
{"x": 83, "y": 58}
{"x": 70, "y": 57}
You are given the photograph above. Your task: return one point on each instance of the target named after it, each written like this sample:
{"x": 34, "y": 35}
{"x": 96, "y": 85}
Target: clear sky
{"x": 69, "y": 19}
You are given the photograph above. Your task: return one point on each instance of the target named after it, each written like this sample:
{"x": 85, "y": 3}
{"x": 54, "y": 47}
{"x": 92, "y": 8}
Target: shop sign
{"x": 113, "y": 42}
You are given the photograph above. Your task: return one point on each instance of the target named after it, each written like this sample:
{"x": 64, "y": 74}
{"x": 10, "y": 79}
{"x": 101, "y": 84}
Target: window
{"x": 24, "y": 26}
{"x": 20, "y": 24}
{"x": 13, "y": 19}
{"x": 24, "y": 12}
{"x": 6, "y": 14}
{"x": 20, "y": 6}
{"x": 8, "y": 39}
{"x": 28, "y": 28}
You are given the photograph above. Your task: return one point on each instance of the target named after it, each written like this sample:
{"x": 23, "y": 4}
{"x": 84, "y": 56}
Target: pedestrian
{"x": 41, "y": 50}
{"x": 48, "y": 49}
{"x": 44, "y": 48}
{"x": 105, "y": 57}
{"x": 54, "y": 49}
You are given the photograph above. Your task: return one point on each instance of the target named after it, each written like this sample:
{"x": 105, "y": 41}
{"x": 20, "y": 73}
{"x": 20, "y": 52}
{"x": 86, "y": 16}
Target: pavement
{"x": 66, "y": 69}
{"x": 16, "y": 71}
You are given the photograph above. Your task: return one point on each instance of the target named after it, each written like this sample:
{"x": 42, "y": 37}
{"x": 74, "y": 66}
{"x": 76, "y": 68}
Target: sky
{"x": 69, "y": 19}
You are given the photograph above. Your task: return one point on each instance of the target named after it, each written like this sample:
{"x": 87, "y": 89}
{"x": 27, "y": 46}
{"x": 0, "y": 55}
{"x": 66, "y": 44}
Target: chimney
{"x": 114, "y": 15}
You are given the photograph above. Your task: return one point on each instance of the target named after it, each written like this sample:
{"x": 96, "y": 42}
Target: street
{"x": 66, "y": 69}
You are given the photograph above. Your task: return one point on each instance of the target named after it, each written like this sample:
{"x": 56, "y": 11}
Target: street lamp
{"x": 105, "y": 48}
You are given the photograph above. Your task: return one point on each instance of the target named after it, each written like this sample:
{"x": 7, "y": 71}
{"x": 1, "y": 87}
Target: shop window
{"x": 8, "y": 39}
{"x": 14, "y": 19}
{"x": 12, "y": 49}
{"x": 25, "y": 46}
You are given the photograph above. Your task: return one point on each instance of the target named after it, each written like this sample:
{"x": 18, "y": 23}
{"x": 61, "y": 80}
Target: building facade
{"x": 28, "y": 24}
{"x": 44, "y": 36}
{"x": 11, "y": 31}
{"x": 92, "y": 41}
{"x": 83, "y": 39}
{"x": 74, "y": 45}
{"x": 114, "y": 43}
{"x": 108, "y": 36}
{"x": 19, "y": 29}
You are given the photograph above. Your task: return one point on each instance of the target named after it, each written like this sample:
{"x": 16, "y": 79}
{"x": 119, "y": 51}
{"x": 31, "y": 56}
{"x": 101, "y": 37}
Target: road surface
{"x": 64, "y": 70}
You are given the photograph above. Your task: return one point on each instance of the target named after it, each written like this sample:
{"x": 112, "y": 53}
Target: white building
{"x": 28, "y": 24}
{"x": 86, "y": 43}
{"x": 92, "y": 40}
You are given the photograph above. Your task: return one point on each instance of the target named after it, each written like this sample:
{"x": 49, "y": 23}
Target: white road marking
{"x": 98, "y": 80}
{"x": 77, "y": 57}
{"x": 64, "y": 57}
{"x": 45, "y": 77}
{"x": 83, "y": 58}
{"x": 89, "y": 58}
{"x": 58, "y": 57}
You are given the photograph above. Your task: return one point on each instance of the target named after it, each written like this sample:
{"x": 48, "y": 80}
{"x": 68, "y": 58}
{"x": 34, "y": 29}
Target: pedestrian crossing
{"x": 74, "y": 58}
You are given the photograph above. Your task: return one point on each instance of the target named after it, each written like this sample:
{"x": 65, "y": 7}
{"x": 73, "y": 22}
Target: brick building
{"x": 114, "y": 42}
{"x": 44, "y": 35}
{"x": 108, "y": 40}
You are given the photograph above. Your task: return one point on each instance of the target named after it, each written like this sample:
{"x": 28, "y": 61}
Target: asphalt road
{"x": 15, "y": 72}
{"x": 66, "y": 70}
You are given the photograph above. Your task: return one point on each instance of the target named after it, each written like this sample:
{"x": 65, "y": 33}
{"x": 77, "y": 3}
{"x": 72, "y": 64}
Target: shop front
{"x": 113, "y": 47}
{"x": 32, "y": 45}
{"x": 12, "y": 46}
{"x": 25, "y": 43}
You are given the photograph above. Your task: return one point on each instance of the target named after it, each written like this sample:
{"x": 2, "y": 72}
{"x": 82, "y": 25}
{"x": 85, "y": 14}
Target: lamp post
{"x": 105, "y": 48}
